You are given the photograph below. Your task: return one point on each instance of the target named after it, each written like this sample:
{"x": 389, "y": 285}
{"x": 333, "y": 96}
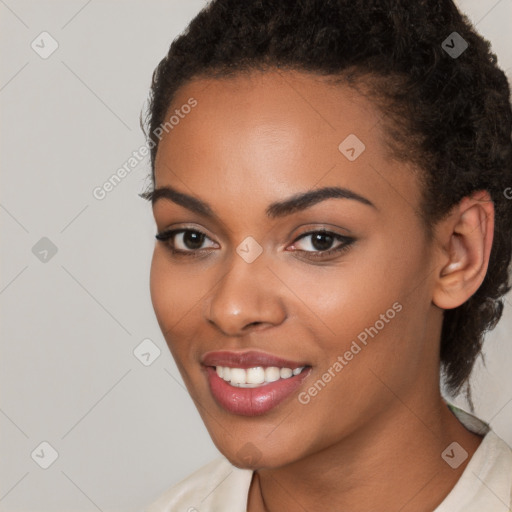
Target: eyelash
{"x": 167, "y": 236}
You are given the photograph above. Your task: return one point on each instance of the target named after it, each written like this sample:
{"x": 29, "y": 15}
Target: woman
{"x": 333, "y": 237}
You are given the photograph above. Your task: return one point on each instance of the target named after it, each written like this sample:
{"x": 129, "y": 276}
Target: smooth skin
{"x": 372, "y": 438}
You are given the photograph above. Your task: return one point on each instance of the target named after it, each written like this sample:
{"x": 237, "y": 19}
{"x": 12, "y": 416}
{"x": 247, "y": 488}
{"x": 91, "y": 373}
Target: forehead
{"x": 273, "y": 130}
{"x": 272, "y": 106}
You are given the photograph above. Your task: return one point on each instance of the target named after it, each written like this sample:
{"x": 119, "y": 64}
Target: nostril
{"x": 255, "y": 325}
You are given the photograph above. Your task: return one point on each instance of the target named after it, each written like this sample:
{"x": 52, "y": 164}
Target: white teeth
{"x": 256, "y": 376}
{"x": 285, "y": 373}
{"x": 238, "y": 376}
{"x": 272, "y": 374}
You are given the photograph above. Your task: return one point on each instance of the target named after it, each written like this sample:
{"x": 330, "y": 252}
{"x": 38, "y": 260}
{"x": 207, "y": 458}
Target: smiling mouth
{"x": 252, "y": 383}
{"x": 259, "y": 395}
{"x": 257, "y": 376}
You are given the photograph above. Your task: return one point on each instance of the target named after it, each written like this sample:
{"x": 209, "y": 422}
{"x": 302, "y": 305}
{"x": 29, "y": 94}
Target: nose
{"x": 246, "y": 298}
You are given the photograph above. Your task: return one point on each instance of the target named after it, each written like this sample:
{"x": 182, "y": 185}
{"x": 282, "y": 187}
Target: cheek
{"x": 161, "y": 290}
{"x": 178, "y": 292}
{"x": 365, "y": 299}
{"x": 345, "y": 297}
{"x": 174, "y": 295}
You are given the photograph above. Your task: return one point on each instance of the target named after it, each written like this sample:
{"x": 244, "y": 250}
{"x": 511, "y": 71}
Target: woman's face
{"x": 339, "y": 283}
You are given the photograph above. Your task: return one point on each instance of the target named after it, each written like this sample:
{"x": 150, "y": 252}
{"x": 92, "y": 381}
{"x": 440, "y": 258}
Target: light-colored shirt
{"x": 484, "y": 486}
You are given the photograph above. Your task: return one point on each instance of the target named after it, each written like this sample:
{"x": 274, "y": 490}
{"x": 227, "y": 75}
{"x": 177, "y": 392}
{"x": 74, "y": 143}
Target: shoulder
{"x": 213, "y": 485}
{"x": 490, "y": 479}
{"x": 486, "y": 483}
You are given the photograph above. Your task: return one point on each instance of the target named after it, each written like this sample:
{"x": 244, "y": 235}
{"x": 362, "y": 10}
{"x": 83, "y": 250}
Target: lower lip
{"x": 253, "y": 401}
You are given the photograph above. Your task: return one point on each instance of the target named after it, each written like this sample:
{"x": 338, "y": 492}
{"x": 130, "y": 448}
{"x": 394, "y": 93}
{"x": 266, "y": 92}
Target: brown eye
{"x": 319, "y": 241}
{"x": 193, "y": 239}
{"x": 322, "y": 241}
{"x": 185, "y": 240}
{"x": 322, "y": 244}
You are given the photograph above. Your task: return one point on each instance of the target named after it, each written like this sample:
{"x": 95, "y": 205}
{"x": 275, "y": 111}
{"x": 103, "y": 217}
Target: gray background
{"x": 123, "y": 431}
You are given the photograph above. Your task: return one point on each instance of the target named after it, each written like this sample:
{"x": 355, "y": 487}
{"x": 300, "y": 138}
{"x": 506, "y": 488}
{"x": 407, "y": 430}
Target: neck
{"x": 393, "y": 463}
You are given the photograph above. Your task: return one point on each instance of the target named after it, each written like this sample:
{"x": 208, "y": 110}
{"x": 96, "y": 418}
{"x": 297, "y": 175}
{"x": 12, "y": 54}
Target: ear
{"x": 465, "y": 237}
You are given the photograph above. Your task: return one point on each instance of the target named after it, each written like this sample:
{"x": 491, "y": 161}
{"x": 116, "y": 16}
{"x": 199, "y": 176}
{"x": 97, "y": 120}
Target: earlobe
{"x": 468, "y": 234}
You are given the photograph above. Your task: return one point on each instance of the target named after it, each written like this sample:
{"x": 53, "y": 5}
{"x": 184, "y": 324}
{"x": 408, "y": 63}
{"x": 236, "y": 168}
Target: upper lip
{"x": 247, "y": 359}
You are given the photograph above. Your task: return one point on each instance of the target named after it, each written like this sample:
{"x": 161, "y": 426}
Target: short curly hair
{"x": 449, "y": 115}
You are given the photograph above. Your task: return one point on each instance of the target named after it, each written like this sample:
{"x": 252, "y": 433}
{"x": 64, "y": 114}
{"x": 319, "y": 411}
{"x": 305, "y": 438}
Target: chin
{"x": 249, "y": 456}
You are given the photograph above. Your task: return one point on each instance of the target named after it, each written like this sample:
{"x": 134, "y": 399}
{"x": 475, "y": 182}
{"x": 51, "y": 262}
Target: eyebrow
{"x": 295, "y": 203}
